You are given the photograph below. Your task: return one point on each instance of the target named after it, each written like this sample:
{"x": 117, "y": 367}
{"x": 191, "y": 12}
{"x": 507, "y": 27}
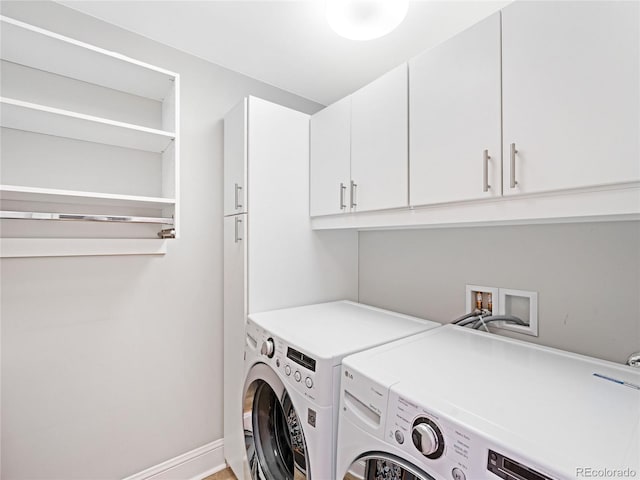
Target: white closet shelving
{"x": 38, "y": 48}
{"x": 35, "y": 118}
{"x": 108, "y": 155}
{"x": 35, "y": 194}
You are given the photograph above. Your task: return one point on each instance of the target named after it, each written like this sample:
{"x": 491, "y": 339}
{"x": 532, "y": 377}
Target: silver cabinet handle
{"x": 238, "y": 222}
{"x": 343, "y": 187}
{"x": 513, "y": 182}
{"x": 354, "y": 185}
{"x": 485, "y": 171}
{"x": 238, "y": 188}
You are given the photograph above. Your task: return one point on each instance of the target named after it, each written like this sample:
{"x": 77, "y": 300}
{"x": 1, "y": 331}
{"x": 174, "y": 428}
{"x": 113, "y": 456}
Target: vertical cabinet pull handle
{"x": 513, "y": 181}
{"x": 238, "y": 188}
{"x": 485, "y": 171}
{"x": 354, "y": 185}
{"x": 343, "y": 187}
{"x": 238, "y": 222}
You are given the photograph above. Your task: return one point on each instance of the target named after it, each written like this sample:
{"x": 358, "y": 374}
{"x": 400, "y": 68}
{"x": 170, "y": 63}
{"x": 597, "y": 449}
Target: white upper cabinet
{"x": 542, "y": 98}
{"x": 379, "y": 143}
{"x": 235, "y": 160}
{"x": 331, "y": 159}
{"x": 454, "y": 106}
{"x": 570, "y": 95}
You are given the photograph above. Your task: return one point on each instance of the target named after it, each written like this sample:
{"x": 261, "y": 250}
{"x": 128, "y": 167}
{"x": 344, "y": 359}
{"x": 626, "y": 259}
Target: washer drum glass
{"x": 274, "y": 439}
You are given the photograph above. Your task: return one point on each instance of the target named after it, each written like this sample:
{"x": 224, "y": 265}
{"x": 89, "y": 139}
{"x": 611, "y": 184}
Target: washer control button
{"x": 458, "y": 474}
{"x": 427, "y": 438}
{"x": 297, "y": 376}
{"x": 399, "y": 437}
{"x": 268, "y": 348}
{"x": 287, "y": 370}
{"x": 278, "y": 362}
{"x": 308, "y": 382}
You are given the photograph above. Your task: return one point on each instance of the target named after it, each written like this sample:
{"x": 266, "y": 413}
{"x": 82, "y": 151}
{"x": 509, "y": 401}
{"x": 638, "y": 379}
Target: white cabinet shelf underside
{"x": 606, "y": 203}
{"x": 31, "y": 117}
{"x": 38, "y": 48}
{"x": 49, "y": 195}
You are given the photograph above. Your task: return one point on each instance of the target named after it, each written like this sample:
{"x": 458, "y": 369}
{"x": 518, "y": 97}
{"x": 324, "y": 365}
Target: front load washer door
{"x": 383, "y": 466}
{"x": 276, "y": 447}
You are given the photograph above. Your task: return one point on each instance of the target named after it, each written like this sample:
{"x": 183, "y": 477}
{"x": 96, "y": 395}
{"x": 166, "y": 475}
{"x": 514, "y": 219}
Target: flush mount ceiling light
{"x": 365, "y": 19}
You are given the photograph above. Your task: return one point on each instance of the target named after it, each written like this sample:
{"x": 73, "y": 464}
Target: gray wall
{"x": 587, "y": 276}
{"x": 114, "y": 364}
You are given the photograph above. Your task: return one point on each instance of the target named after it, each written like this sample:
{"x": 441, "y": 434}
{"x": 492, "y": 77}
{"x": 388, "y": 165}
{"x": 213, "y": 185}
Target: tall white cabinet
{"x": 571, "y": 94}
{"x": 455, "y": 119}
{"x": 272, "y": 257}
{"x": 235, "y": 166}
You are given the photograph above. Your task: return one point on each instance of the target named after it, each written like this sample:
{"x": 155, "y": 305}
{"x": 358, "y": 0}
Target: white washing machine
{"x": 292, "y": 365}
{"x": 456, "y": 404}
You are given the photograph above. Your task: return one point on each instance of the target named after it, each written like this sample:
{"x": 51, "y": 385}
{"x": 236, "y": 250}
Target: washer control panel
{"x": 432, "y": 441}
{"x": 297, "y": 368}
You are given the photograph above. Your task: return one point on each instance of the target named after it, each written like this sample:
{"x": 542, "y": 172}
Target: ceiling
{"x": 288, "y": 44}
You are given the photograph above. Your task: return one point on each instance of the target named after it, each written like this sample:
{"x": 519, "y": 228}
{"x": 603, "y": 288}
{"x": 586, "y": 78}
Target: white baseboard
{"x": 194, "y": 465}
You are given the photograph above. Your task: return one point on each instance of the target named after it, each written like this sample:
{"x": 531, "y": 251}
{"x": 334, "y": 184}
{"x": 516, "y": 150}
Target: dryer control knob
{"x": 268, "y": 348}
{"x": 424, "y": 438}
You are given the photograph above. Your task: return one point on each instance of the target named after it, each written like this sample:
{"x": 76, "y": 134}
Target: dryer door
{"x": 276, "y": 447}
{"x": 384, "y": 466}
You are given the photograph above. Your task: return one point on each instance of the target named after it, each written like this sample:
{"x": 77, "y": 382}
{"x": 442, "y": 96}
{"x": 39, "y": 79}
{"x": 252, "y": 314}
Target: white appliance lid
{"x": 543, "y": 403}
{"x": 336, "y": 329}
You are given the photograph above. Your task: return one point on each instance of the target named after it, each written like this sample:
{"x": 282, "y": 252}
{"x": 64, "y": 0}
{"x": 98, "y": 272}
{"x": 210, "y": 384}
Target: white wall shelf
{"x": 35, "y": 47}
{"x": 80, "y": 247}
{"x": 50, "y": 195}
{"x": 53, "y": 180}
{"x": 31, "y": 117}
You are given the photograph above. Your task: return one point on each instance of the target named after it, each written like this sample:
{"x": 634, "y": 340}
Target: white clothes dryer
{"x": 291, "y": 392}
{"x": 455, "y": 404}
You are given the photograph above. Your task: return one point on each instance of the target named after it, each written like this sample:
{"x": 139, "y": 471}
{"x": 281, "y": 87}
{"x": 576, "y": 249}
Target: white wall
{"x": 114, "y": 364}
{"x": 587, "y": 276}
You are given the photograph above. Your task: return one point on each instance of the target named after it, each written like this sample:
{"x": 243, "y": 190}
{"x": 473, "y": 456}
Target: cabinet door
{"x": 330, "y": 159}
{"x": 235, "y": 160}
{"x": 454, "y": 109}
{"x": 379, "y": 143}
{"x": 235, "y": 310}
{"x": 571, "y": 94}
